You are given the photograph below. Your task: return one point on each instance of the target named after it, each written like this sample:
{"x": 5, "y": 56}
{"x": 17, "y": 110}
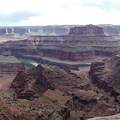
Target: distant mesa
{"x": 34, "y": 30}
{"x": 88, "y": 30}
{"x": 53, "y": 30}
{"x": 56, "y": 30}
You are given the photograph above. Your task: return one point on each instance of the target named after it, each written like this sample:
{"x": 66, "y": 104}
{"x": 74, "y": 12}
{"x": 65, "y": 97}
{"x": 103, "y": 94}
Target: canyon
{"x": 80, "y": 46}
{"x": 77, "y": 76}
{"x": 84, "y": 94}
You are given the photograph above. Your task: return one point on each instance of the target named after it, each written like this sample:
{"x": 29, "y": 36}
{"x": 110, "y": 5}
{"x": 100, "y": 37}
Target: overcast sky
{"x": 59, "y": 12}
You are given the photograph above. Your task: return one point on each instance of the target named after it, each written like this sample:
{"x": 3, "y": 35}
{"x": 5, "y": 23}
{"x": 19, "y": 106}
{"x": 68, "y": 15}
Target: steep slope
{"x": 106, "y": 75}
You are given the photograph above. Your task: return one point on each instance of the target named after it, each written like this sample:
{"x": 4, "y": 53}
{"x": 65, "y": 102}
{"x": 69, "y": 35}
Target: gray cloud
{"x": 16, "y": 17}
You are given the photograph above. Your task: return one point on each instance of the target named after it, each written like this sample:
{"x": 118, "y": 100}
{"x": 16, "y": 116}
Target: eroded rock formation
{"x": 76, "y": 95}
{"x": 75, "y": 47}
{"x": 105, "y": 75}
{"x": 112, "y": 30}
{"x": 31, "y": 83}
{"x": 35, "y": 30}
{"x": 88, "y": 30}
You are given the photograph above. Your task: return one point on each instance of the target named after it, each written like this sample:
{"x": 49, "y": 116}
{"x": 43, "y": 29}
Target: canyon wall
{"x": 9, "y": 65}
{"x": 105, "y": 75}
{"x": 81, "y": 45}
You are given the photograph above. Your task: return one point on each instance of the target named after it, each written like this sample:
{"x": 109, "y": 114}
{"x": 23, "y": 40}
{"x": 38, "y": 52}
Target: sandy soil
{"x": 5, "y": 82}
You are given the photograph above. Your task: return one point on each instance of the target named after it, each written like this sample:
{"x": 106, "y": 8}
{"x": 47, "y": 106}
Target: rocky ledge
{"x": 106, "y": 76}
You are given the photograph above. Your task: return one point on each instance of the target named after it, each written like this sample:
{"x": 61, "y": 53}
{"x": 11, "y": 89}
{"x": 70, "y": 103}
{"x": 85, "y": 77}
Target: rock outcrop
{"x": 88, "y": 30}
{"x": 2, "y": 31}
{"x": 31, "y": 83}
{"x": 35, "y": 30}
{"x": 49, "y": 87}
{"x": 112, "y": 30}
{"x": 106, "y": 76}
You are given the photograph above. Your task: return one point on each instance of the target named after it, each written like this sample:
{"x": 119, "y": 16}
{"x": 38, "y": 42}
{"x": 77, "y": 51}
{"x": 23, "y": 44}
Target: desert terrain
{"x": 60, "y": 73}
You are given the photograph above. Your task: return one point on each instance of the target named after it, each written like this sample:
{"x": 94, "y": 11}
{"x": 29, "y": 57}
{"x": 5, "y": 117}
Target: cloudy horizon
{"x": 59, "y": 12}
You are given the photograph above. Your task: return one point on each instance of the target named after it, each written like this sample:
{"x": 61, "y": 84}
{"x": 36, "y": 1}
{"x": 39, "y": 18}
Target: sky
{"x": 59, "y": 12}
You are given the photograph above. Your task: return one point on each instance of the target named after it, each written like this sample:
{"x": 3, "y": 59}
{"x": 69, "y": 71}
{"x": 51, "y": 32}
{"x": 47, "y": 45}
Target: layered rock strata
{"x": 9, "y": 65}
{"x": 88, "y": 30}
{"x": 106, "y": 76}
{"x": 80, "y": 44}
